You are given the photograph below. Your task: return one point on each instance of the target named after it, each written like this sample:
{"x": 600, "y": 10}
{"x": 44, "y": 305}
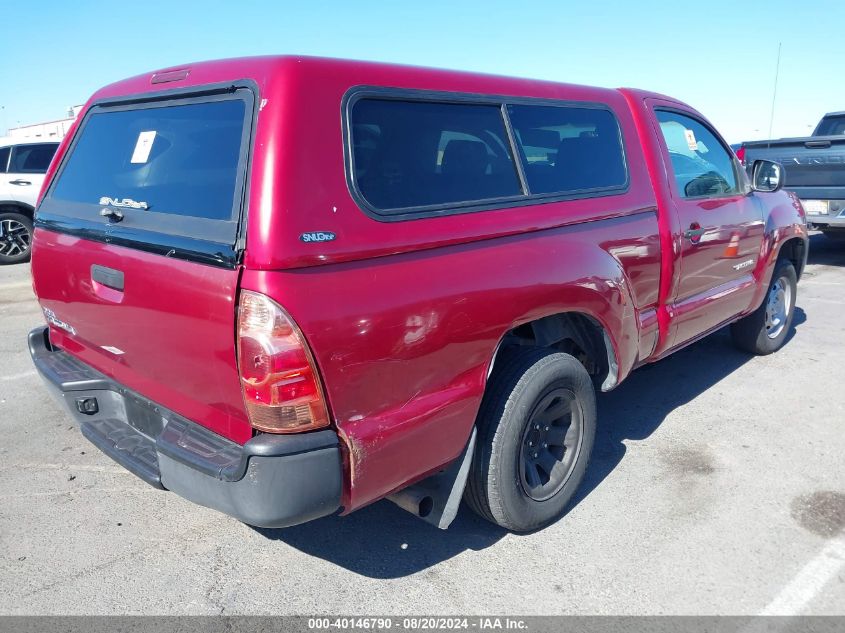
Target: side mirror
{"x": 767, "y": 176}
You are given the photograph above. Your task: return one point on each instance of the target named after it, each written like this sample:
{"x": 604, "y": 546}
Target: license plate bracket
{"x": 143, "y": 417}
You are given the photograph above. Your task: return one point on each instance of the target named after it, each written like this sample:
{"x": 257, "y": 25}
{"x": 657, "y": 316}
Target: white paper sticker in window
{"x": 143, "y": 147}
{"x": 689, "y": 134}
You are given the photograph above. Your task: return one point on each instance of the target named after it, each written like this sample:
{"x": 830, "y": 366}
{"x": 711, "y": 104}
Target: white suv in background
{"x": 22, "y": 167}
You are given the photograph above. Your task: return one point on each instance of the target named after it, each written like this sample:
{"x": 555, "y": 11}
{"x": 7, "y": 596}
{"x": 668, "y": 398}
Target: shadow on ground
{"x": 382, "y": 541}
{"x": 639, "y": 405}
{"x": 825, "y": 251}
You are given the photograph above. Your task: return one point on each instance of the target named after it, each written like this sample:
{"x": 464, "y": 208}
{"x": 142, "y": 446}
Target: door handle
{"x": 19, "y": 182}
{"x": 109, "y": 277}
{"x": 114, "y": 215}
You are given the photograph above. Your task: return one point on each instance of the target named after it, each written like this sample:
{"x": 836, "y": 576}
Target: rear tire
{"x": 765, "y": 330}
{"x": 15, "y": 237}
{"x": 536, "y": 429}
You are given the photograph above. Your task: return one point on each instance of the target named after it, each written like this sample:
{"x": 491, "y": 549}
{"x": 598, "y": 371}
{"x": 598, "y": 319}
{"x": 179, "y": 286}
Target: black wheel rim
{"x": 551, "y": 443}
{"x": 14, "y": 238}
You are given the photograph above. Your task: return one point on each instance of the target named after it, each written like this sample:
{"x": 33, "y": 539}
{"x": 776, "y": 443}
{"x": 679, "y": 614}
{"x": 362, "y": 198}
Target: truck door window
{"x": 32, "y": 159}
{"x": 702, "y": 166}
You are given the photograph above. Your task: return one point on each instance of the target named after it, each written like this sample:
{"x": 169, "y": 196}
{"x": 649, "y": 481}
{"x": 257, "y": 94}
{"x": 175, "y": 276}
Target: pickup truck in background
{"x": 283, "y": 287}
{"x": 815, "y": 171}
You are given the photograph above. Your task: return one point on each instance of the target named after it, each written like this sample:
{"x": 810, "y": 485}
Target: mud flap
{"x": 436, "y": 499}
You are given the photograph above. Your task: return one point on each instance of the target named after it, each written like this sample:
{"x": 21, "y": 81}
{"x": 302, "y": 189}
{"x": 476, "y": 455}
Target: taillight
{"x": 279, "y": 380}
{"x": 740, "y": 154}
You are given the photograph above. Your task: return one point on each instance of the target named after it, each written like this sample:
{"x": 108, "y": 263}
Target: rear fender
{"x": 607, "y": 301}
{"x": 601, "y": 347}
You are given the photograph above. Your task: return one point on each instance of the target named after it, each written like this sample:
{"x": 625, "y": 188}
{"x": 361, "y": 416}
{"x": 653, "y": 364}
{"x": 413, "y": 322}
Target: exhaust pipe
{"x": 413, "y": 500}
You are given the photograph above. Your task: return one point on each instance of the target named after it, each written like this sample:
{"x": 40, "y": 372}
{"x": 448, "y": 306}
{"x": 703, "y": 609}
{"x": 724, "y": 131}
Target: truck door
{"x": 721, "y": 226}
{"x": 27, "y": 166}
{"x": 5, "y": 153}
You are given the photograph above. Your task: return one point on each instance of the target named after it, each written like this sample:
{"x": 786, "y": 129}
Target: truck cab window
{"x": 831, "y": 126}
{"x": 702, "y": 166}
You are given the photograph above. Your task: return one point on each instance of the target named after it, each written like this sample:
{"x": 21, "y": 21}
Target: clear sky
{"x": 719, "y": 56}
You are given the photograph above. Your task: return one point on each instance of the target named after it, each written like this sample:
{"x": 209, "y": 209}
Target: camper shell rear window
{"x": 174, "y": 168}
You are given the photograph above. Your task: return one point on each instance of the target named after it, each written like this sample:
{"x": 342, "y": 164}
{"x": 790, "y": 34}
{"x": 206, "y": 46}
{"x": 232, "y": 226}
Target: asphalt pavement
{"x": 717, "y": 487}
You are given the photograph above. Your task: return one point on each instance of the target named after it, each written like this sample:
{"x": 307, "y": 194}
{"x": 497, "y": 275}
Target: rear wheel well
{"x": 15, "y": 207}
{"x": 573, "y": 333}
{"x": 793, "y": 251}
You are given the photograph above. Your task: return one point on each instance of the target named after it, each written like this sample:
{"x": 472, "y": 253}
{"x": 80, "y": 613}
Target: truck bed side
{"x": 405, "y": 342}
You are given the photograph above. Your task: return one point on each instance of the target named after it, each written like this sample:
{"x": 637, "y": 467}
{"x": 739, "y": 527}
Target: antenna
{"x": 774, "y": 93}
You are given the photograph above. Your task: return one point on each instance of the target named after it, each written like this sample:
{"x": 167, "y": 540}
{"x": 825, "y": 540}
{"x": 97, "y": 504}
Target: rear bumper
{"x": 835, "y": 215}
{"x": 271, "y": 481}
{"x": 825, "y": 221}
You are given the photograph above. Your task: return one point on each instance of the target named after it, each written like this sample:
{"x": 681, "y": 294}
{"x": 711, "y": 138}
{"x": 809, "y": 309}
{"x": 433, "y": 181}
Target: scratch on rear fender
{"x": 353, "y": 456}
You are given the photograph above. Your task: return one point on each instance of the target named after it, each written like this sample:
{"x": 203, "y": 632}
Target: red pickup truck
{"x": 285, "y": 286}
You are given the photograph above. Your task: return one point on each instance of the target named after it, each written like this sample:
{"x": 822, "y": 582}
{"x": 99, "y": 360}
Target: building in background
{"x": 49, "y": 130}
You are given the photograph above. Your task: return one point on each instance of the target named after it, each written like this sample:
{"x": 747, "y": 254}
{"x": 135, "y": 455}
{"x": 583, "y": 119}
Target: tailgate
{"x": 136, "y": 247}
{"x": 815, "y": 166}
